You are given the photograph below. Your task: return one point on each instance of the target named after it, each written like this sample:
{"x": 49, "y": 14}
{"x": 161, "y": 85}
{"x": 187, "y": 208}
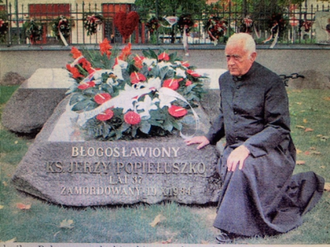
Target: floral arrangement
{"x": 277, "y": 24}
{"x": 126, "y": 22}
{"x": 153, "y": 24}
{"x": 92, "y": 21}
{"x": 185, "y": 22}
{"x": 62, "y": 28}
{"x": 132, "y": 96}
{"x": 3, "y": 25}
{"x": 216, "y": 28}
{"x": 33, "y": 30}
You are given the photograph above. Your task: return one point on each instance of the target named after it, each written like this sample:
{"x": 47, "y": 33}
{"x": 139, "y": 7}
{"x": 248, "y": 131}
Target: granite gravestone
{"x": 24, "y": 113}
{"x": 62, "y": 168}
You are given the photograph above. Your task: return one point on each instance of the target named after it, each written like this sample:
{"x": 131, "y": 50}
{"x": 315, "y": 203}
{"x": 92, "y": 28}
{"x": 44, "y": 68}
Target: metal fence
{"x": 91, "y": 23}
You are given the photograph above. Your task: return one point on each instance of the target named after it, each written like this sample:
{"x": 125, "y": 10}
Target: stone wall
{"x": 281, "y": 61}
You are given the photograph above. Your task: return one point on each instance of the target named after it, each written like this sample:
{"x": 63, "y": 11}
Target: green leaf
{"x": 91, "y": 91}
{"x": 107, "y": 88}
{"x": 177, "y": 125}
{"x": 106, "y": 130}
{"x": 85, "y": 105}
{"x": 173, "y": 57}
{"x": 145, "y": 127}
{"x": 153, "y": 54}
{"x": 77, "y": 98}
{"x": 168, "y": 125}
{"x": 163, "y": 71}
{"x": 124, "y": 127}
{"x": 134, "y": 130}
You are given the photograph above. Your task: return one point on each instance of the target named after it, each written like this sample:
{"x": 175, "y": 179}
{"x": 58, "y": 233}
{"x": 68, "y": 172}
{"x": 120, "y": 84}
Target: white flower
{"x": 149, "y": 61}
{"x": 146, "y": 106}
{"x": 165, "y": 99}
{"x": 164, "y": 64}
{"x": 118, "y": 67}
{"x": 180, "y": 72}
{"x": 154, "y": 83}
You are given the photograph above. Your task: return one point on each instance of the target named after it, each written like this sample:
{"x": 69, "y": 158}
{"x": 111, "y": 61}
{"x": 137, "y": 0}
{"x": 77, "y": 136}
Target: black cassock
{"x": 263, "y": 198}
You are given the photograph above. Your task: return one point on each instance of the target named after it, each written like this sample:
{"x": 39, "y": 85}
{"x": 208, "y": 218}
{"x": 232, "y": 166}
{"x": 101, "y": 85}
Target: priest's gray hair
{"x": 243, "y": 39}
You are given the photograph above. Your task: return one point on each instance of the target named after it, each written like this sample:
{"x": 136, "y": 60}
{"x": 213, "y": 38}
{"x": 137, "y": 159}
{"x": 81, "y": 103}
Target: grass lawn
{"x": 44, "y": 222}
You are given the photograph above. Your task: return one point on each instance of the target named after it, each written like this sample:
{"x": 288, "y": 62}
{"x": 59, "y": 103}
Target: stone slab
{"x": 322, "y": 19}
{"x": 35, "y": 100}
{"x": 89, "y": 173}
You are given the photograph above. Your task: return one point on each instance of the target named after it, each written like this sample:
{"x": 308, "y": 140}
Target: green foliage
{"x": 170, "y": 7}
{"x": 33, "y": 30}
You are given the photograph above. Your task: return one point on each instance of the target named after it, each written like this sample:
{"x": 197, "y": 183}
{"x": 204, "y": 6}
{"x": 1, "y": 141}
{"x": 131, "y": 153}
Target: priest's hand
{"x": 201, "y": 140}
{"x": 237, "y": 158}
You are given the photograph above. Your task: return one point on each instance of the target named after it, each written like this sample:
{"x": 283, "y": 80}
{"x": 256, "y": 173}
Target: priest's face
{"x": 239, "y": 61}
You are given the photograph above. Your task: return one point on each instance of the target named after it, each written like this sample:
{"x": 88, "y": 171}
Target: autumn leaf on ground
{"x": 316, "y": 152}
{"x": 2, "y": 206}
{"x": 307, "y": 153}
{"x": 323, "y": 138}
{"x": 300, "y": 162}
{"x": 327, "y": 186}
{"x": 327, "y": 98}
{"x": 67, "y": 224}
{"x": 5, "y": 183}
{"x": 157, "y": 219}
{"x": 9, "y": 241}
{"x": 23, "y": 206}
{"x": 299, "y": 151}
{"x": 305, "y": 120}
{"x": 300, "y": 127}
{"x": 309, "y": 130}
{"x": 168, "y": 241}
{"x": 299, "y": 103}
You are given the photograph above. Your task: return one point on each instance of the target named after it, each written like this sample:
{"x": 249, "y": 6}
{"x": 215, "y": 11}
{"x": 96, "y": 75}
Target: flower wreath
{"x": 33, "y": 30}
{"x": 153, "y": 24}
{"x": 185, "y": 22}
{"x": 215, "y": 27}
{"x": 91, "y": 22}
{"x": 3, "y": 25}
{"x": 62, "y": 28}
{"x": 140, "y": 96}
{"x": 277, "y": 24}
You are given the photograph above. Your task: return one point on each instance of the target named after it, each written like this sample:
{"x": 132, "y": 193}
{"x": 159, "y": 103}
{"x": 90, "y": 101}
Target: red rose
{"x": 106, "y": 115}
{"x": 86, "y": 85}
{"x": 172, "y": 83}
{"x": 177, "y": 111}
{"x": 102, "y": 97}
{"x": 132, "y": 118}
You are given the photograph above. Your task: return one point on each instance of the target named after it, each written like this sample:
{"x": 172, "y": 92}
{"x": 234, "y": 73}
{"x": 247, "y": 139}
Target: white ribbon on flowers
{"x": 185, "y": 41}
{"x": 125, "y": 100}
{"x": 172, "y": 20}
{"x": 62, "y": 38}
